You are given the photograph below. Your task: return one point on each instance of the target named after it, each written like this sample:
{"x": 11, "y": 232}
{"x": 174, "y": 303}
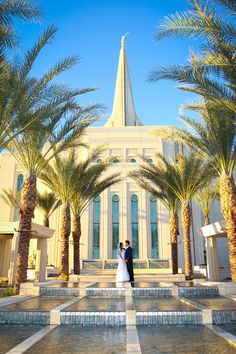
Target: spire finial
{"x": 123, "y": 40}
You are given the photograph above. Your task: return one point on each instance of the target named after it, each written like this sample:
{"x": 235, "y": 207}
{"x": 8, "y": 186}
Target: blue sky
{"x": 92, "y": 29}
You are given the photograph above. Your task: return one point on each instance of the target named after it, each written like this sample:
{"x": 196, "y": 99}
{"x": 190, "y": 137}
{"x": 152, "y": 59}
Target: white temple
{"x": 124, "y": 211}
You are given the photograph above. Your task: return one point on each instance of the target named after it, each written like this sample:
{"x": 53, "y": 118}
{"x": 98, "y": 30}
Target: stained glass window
{"x": 116, "y": 161}
{"x": 134, "y": 225}
{"x": 154, "y": 234}
{"x": 20, "y": 182}
{"x": 115, "y": 224}
{"x": 96, "y": 227}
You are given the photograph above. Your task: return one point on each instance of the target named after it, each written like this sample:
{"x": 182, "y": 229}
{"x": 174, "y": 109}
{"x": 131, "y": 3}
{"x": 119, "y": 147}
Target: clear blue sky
{"x": 92, "y": 29}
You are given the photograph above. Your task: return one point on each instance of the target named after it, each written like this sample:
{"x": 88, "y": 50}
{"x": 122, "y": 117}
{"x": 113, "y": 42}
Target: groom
{"x": 129, "y": 260}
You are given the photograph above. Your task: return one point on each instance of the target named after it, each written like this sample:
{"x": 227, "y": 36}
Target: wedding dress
{"x": 122, "y": 272}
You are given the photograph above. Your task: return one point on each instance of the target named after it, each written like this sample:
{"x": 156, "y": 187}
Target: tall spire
{"x": 123, "y": 112}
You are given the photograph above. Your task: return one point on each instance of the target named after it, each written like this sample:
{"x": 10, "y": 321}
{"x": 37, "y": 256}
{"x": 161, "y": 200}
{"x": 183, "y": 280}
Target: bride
{"x": 122, "y": 274}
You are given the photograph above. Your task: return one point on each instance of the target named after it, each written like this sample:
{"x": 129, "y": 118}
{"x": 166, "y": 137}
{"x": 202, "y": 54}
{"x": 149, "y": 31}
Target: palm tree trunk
{"x": 46, "y": 221}
{"x": 186, "y": 223}
{"x": 65, "y": 234}
{"x": 76, "y": 233}
{"x": 27, "y": 207}
{"x": 228, "y": 208}
{"x": 174, "y": 223}
{"x": 206, "y": 220}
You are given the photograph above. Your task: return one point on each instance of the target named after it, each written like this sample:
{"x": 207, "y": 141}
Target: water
{"x": 104, "y": 285}
{"x": 73, "y": 339}
{"x": 60, "y": 291}
{"x": 87, "y": 304}
{"x": 185, "y": 283}
{"x": 69, "y": 285}
{"x": 231, "y": 328}
{"x": 163, "y": 304}
{"x": 151, "y": 292}
{"x": 198, "y": 291}
{"x": 26, "y": 317}
{"x": 35, "y": 304}
{"x": 217, "y": 303}
{"x": 169, "y": 318}
{"x": 104, "y": 318}
{"x": 141, "y": 284}
{"x": 32, "y": 311}
{"x": 181, "y": 340}
{"x": 18, "y": 333}
{"x": 223, "y": 317}
{"x": 103, "y": 292}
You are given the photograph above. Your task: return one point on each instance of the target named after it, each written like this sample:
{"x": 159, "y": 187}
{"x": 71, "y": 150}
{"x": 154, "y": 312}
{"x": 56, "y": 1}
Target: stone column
{"x": 212, "y": 259}
{"x": 41, "y": 260}
{"x": 13, "y": 259}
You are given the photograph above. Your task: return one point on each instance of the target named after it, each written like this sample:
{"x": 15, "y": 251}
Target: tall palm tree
{"x": 47, "y": 203}
{"x": 10, "y": 10}
{"x": 156, "y": 181}
{"x": 18, "y": 92}
{"x": 213, "y": 136}
{"x": 212, "y": 74}
{"x": 90, "y": 182}
{"x": 75, "y": 184}
{"x": 213, "y": 77}
{"x": 60, "y": 177}
{"x": 205, "y": 198}
{"x": 60, "y": 124}
{"x": 185, "y": 177}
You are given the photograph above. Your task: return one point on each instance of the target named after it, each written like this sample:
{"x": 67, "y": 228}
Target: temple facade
{"x": 123, "y": 211}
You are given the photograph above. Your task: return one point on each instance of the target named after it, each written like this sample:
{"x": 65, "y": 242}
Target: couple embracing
{"x": 125, "y": 263}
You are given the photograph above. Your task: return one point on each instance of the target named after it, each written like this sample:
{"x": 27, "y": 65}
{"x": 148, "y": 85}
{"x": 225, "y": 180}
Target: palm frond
{"x": 10, "y": 198}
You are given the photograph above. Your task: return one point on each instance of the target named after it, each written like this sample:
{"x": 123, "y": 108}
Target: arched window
{"x": 134, "y": 225}
{"x": 116, "y": 161}
{"x": 99, "y": 160}
{"x": 96, "y": 227}
{"x": 150, "y": 160}
{"x": 20, "y": 182}
{"x": 115, "y": 224}
{"x": 132, "y": 161}
{"x": 20, "y": 179}
{"x": 154, "y": 234}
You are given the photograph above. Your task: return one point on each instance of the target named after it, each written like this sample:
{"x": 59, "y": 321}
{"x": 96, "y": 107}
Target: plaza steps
{"x": 104, "y": 276}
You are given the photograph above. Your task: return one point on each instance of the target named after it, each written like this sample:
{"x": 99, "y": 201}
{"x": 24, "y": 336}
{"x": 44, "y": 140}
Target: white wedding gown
{"x": 122, "y": 272}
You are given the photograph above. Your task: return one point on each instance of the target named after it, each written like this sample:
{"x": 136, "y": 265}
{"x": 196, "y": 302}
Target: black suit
{"x": 129, "y": 259}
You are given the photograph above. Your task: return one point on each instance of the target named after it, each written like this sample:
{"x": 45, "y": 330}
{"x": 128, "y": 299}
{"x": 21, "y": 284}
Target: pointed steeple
{"x": 123, "y": 113}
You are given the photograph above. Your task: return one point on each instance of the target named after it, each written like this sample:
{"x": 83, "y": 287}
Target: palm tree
{"x": 89, "y": 183}
{"x": 185, "y": 176}
{"x": 75, "y": 184}
{"x": 156, "y": 181}
{"x": 9, "y": 11}
{"x": 205, "y": 198}
{"x": 213, "y": 77}
{"x": 213, "y": 136}
{"x": 18, "y": 92}
{"x": 60, "y": 123}
{"x": 47, "y": 203}
{"x": 60, "y": 177}
{"x": 212, "y": 74}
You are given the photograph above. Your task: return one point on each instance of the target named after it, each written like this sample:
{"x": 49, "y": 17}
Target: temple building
{"x": 123, "y": 211}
